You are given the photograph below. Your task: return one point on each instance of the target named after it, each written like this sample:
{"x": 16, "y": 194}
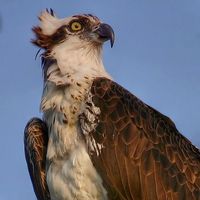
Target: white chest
{"x": 74, "y": 177}
{"x": 70, "y": 172}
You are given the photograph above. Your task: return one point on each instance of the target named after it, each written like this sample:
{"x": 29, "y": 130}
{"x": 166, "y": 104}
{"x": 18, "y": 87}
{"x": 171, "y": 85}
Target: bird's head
{"x": 77, "y": 31}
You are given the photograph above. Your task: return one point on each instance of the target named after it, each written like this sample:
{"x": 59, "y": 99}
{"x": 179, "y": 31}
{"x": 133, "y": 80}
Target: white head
{"x": 75, "y": 40}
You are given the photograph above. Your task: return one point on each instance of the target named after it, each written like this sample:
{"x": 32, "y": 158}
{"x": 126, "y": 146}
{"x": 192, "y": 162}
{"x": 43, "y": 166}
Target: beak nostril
{"x": 95, "y": 28}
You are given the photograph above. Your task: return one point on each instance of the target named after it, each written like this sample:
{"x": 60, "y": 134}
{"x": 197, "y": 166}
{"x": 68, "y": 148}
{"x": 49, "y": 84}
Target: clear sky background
{"x": 156, "y": 56}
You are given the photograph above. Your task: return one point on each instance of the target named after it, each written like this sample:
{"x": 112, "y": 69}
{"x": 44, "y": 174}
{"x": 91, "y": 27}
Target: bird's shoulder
{"x": 130, "y": 135}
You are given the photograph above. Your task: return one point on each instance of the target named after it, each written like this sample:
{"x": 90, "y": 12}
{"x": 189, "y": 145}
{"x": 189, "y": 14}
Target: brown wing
{"x": 35, "y": 146}
{"x": 138, "y": 151}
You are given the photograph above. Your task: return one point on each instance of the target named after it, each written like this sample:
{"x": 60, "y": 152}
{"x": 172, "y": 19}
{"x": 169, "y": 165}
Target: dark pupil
{"x": 76, "y": 26}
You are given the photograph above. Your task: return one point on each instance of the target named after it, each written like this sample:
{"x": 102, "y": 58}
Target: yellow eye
{"x": 76, "y": 26}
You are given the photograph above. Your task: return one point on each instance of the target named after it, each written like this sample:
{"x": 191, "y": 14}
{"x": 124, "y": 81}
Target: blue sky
{"x": 156, "y": 56}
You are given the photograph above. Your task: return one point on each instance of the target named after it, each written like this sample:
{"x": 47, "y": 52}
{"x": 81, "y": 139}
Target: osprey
{"x": 97, "y": 141}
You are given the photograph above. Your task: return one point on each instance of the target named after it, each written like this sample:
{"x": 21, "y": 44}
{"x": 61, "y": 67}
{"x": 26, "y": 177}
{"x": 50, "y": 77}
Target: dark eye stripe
{"x": 48, "y": 41}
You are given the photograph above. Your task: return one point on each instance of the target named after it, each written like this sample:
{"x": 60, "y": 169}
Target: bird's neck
{"x": 79, "y": 60}
{"x": 74, "y": 70}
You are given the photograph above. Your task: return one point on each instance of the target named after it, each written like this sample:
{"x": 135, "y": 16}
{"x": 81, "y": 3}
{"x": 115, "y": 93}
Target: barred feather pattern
{"x": 35, "y": 147}
{"x": 142, "y": 156}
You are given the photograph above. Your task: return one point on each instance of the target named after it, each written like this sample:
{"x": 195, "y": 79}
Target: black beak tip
{"x": 112, "y": 40}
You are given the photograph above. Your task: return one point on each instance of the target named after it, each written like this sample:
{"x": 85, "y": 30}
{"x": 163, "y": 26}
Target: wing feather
{"x": 35, "y": 146}
{"x": 143, "y": 155}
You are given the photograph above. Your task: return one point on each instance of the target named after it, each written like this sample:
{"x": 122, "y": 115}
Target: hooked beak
{"x": 105, "y": 33}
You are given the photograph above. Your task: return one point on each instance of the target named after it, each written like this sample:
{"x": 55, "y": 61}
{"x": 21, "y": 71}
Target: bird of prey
{"x": 97, "y": 141}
